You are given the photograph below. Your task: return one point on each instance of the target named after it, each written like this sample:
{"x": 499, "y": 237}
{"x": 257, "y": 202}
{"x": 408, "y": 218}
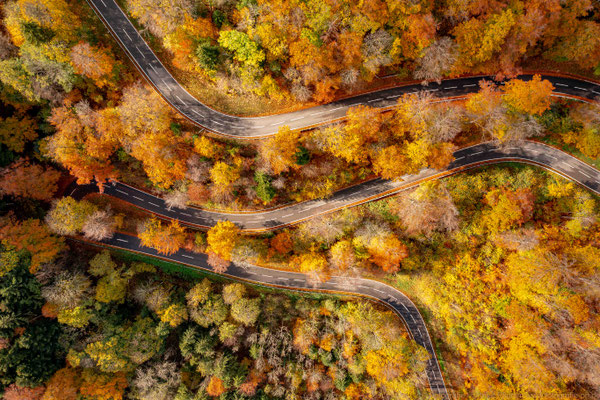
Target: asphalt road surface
{"x": 392, "y": 298}
{"x": 485, "y": 153}
{"x": 528, "y": 152}
{"x": 255, "y": 127}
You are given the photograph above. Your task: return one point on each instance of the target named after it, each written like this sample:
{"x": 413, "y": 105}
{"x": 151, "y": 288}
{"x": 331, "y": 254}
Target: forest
{"x": 502, "y": 261}
{"x": 94, "y": 326}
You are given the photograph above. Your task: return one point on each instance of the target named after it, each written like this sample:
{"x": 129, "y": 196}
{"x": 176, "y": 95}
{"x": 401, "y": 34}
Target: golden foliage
{"x": 222, "y": 238}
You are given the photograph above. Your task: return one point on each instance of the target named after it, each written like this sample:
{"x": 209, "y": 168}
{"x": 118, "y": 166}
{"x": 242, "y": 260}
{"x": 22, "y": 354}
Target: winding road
{"x": 256, "y": 127}
{"x": 485, "y": 153}
{"x": 378, "y": 291}
{"x": 529, "y": 152}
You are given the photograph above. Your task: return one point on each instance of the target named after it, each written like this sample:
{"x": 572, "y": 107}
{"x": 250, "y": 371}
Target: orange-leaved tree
{"x": 63, "y": 385}
{"x": 166, "y": 239}
{"x": 215, "y": 387}
{"x": 35, "y": 237}
{"x": 81, "y": 142}
{"x": 282, "y": 243}
{"x": 103, "y": 386}
{"x": 390, "y": 162}
{"x": 387, "y": 251}
{"x": 24, "y": 179}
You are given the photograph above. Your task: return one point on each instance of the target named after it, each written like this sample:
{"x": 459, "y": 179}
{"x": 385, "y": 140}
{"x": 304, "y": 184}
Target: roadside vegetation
{"x": 90, "y": 325}
{"x": 277, "y": 53}
{"x": 503, "y": 261}
{"x": 69, "y": 92}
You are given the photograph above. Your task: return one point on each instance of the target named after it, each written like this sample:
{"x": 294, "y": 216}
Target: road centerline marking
{"x": 127, "y": 34}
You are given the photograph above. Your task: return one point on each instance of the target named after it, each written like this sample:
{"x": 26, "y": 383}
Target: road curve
{"x": 375, "y": 290}
{"x": 255, "y": 127}
{"x": 157, "y": 74}
{"x": 531, "y": 152}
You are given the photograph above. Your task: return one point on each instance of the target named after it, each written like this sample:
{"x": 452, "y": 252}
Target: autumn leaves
{"x": 510, "y": 115}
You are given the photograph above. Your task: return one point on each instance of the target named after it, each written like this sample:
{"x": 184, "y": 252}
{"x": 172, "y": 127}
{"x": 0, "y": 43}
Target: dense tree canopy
{"x": 30, "y": 351}
{"x": 315, "y": 49}
{"x": 503, "y": 262}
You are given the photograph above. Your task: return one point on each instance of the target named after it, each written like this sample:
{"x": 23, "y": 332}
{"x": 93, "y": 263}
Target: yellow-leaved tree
{"x": 68, "y": 215}
{"x": 223, "y": 176}
{"x": 222, "y": 238}
{"x": 278, "y": 151}
{"x": 528, "y": 97}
